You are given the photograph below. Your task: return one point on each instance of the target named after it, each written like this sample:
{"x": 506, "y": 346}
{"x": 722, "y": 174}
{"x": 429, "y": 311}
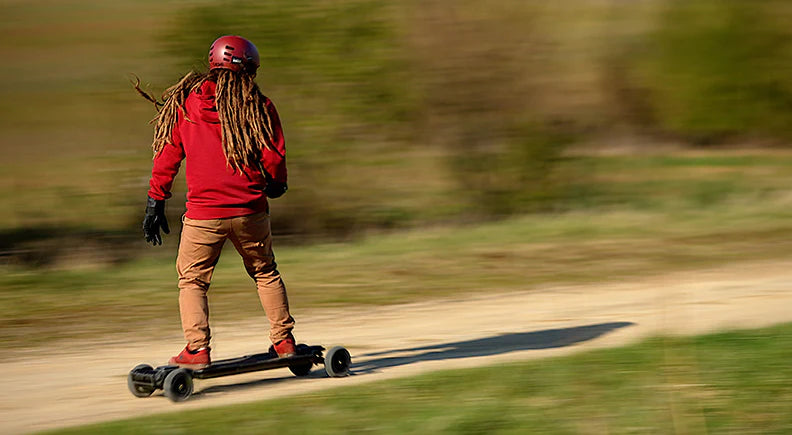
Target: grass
{"x": 731, "y": 382}
{"x": 38, "y": 306}
{"x": 633, "y": 215}
{"x": 72, "y": 149}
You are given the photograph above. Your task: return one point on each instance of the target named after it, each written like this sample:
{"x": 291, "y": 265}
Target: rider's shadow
{"x": 499, "y": 344}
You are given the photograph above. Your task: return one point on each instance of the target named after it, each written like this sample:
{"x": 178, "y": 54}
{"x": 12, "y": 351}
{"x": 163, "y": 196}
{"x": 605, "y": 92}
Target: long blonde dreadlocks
{"x": 241, "y": 107}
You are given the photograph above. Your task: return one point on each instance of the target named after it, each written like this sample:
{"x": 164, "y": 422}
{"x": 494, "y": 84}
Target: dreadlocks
{"x": 241, "y": 107}
{"x": 244, "y": 119}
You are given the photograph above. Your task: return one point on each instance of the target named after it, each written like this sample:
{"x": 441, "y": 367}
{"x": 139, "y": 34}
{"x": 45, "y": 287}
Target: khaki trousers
{"x": 199, "y": 251}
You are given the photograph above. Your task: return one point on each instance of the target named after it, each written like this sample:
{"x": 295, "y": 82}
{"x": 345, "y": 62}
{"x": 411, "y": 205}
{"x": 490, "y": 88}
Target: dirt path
{"x": 84, "y": 383}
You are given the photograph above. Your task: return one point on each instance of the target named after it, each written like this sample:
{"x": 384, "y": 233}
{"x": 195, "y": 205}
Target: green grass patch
{"x": 45, "y": 304}
{"x": 732, "y": 382}
{"x": 625, "y": 216}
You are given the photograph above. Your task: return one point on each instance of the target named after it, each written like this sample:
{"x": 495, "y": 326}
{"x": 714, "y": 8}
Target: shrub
{"x": 715, "y": 69}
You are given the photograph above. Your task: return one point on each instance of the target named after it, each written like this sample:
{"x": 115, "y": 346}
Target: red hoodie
{"x": 214, "y": 191}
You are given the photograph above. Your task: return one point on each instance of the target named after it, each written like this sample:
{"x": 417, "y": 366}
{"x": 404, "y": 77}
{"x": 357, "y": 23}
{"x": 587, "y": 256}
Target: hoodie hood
{"x": 201, "y": 103}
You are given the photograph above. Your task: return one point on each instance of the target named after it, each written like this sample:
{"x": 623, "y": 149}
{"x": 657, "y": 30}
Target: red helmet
{"x": 235, "y": 53}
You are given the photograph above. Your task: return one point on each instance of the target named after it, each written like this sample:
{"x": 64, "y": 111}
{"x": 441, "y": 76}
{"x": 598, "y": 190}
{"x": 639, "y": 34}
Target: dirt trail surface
{"x": 86, "y": 382}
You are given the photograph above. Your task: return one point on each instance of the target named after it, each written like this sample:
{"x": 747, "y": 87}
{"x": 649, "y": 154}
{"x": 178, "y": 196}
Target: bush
{"x": 515, "y": 177}
{"x": 478, "y": 71}
{"x": 715, "y": 69}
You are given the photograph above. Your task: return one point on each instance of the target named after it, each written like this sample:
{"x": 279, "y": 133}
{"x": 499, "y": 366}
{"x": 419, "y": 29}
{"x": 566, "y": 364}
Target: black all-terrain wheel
{"x": 337, "y": 361}
{"x": 301, "y": 369}
{"x": 178, "y": 385}
{"x": 137, "y": 389}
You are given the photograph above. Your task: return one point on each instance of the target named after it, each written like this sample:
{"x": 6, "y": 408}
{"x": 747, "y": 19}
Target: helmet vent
{"x": 228, "y": 47}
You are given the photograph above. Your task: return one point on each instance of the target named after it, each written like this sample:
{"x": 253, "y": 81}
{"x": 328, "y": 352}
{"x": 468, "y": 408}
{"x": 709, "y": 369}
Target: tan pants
{"x": 199, "y": 250}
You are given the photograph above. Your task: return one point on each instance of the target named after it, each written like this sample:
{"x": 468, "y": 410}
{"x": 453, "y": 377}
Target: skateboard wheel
{"x": 178, "y": 385}
{"x": 305, "y": 368}
{"x": 301, "y": 369}
{"x": 337, "y": 361}
{"x": 137, "y": 389}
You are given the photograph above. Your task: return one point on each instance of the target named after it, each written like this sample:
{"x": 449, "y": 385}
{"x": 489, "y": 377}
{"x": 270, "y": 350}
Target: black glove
{"x": 154, "y": 220}
{"x": 274, "y": 189}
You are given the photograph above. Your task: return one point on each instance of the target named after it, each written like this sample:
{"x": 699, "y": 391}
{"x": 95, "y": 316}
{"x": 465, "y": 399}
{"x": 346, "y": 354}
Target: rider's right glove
{"x": 274, "y": 189}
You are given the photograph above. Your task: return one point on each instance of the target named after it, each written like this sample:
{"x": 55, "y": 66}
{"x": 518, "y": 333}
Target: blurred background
{"x": 598, "y": 138}
{"x": 437, "y": 150}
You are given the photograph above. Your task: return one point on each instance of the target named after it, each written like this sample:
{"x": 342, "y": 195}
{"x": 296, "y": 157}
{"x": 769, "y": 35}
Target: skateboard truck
{"x": 177, "y": 382}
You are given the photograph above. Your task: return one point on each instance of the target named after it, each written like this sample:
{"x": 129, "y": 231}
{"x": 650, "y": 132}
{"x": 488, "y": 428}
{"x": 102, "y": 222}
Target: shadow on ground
{"x": 499, "y": 344}
{"x": 495, "y": 345}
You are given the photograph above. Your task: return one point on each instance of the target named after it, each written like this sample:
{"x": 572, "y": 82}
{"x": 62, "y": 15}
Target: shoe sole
{"x": 193, "y": 366}
{"x": 189, "y": 366}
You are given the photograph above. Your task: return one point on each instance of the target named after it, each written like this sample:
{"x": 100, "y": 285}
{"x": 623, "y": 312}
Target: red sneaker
{"x": 285, "y": 348}
{"x": 192, "y": 359}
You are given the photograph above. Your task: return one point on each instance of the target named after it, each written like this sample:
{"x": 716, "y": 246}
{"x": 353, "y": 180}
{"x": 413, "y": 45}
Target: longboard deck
{"x": 255, "y": 362}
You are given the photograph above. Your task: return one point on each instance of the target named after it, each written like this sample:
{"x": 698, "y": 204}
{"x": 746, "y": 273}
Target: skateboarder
{"x": 230, "y": 137}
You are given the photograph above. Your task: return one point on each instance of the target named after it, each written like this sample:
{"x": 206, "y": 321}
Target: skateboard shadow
{"x": 495, "y": 345}
{"x": 499, "y": 344}
{"x": 207, "y": 392}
